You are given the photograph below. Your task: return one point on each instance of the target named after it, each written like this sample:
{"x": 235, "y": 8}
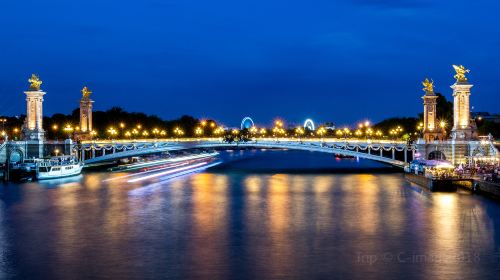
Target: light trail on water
{"x": 150, "y": 188}
{"x": 166, "y": 172}
{"x": 144, "y": 172}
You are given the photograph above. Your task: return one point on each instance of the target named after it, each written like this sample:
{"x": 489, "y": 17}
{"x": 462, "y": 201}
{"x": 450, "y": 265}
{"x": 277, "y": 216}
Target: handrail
{"x": 494, "y": 149}
{"x": 263, "y": 144}
{"x": 2, "y": 146}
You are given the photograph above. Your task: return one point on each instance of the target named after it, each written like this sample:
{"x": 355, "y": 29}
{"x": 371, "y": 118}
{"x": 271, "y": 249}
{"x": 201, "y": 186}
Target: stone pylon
{"x": 33, "y": 124}
{"x": 86, "y": 111}
{"x": 463, "y": 127}
{"x": 431, "y": 130}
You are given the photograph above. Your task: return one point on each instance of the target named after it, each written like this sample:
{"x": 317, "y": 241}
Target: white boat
{"x": 58, "y": 167}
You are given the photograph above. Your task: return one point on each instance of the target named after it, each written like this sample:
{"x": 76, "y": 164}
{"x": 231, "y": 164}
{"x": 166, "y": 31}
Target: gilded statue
{"x": 460, "y": 73}
{"x": 428, "y": 85}
{"x": 35, "y": 82}
{"x": 86, "y": 92}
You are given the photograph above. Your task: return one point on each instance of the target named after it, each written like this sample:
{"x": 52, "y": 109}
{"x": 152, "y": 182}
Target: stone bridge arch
{"x": 15, "y": 154}
{"x": 364, "y": 150}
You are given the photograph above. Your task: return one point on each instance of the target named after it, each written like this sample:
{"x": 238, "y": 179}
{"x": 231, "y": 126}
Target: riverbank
{"x": 486, "y": 188}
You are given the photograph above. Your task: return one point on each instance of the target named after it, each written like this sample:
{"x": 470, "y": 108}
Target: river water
{"x": 259, "y": 215}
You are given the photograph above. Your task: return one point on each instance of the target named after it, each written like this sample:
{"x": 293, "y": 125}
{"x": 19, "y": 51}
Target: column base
{"x": 464, "y": 134}
{"x": 33, "y": 135}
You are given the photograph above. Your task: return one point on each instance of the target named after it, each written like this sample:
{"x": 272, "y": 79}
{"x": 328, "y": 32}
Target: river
{"x": 259, "y": 215}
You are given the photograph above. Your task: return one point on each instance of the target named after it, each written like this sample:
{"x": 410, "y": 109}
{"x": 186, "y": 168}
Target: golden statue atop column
{"x": 460, "y": 73}
{"x": 85, "y": 114}
{"x": 463, "y": 127}
{"x": 428, "y": 86}
{"x": 431, "y": 131}
{"x": 33, "y": 126}
{"x": 35, "y": 82}
{"x": 86, "y": 92}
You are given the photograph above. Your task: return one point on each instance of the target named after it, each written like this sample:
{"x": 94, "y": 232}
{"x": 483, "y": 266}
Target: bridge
{"x": 396, "y": 153}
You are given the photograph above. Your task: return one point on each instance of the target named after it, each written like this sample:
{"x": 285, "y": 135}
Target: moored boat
{"x": 58, "y": 167}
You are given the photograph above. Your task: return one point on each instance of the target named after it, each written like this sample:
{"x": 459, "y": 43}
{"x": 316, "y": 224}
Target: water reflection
{"x": 245, "y": 226}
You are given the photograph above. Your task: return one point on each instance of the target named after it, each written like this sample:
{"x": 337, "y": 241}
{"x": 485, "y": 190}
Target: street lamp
{"x": 278, "y": 131}
{"x": 219, "y": 130}
{"x": 358, "y": 133}
{"x": 198, "y": 131}
{"x": 321, "y": 131}
{"x": 369, "y": 132}
{"x": 253, "y": 130}
{"x": 347, "y": 131}
{"x": 112, "y": 132}
{"x": 178, "y": 131}
{"x": 3, "y": 121}
{"x": 420, "y": 127}
{"x": 156, "y": 131}
{"x": 263, "y": 132}
{"x": 68, "y": 129}
{"x": 299, "y": 131}
{"x": 442, "y": 124}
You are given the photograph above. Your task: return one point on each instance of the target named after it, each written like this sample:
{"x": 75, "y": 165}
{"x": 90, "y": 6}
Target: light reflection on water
{"x": 237, "y": 225}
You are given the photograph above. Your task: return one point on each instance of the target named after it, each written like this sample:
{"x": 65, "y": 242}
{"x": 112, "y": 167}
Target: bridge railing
{"x": 293, "y": 139}
{"x": 3, "y": 153}
{"x": 349, "y": 150}
{"x": 97, "y": 151}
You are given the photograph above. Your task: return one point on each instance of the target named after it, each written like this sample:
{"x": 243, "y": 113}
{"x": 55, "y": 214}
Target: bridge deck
{"x": 129, "y": 149}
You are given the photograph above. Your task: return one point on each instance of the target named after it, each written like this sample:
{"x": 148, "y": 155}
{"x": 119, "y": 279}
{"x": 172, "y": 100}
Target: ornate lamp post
{"x": 179, "y": 132}
{"x": 198, "y": 131}
{"x": 112, "y": 132}
{"x": 253, "y": 130}
{"x": 68, "y": 129}
{"x": 263, "y": 132}
{"x": 299, "y": 131}
{"x": 3, "y": 121}
{"x": 358, "y": 133}
{"x": 156, "y": 131}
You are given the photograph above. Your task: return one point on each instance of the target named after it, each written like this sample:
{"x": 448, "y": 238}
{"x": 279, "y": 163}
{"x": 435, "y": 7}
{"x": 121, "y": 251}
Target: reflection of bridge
{"x": 394, "y": 153}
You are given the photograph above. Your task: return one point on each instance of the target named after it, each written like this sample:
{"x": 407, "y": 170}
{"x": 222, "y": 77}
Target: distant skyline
{"x": 339, "y": 61}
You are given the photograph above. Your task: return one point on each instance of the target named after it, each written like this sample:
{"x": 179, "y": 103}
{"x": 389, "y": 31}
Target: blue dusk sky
{"x": 339, "y": 61}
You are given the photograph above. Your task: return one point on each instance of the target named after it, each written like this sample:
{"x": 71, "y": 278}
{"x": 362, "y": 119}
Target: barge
{"x": 436, "y": 175}
{"x": 439, "y": 184}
